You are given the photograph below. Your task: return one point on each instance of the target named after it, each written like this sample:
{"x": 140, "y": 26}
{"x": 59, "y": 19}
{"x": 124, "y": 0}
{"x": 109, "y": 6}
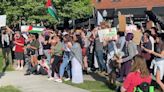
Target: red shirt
{"x": 19, "y": 48}
{"x": 134, "y": 79}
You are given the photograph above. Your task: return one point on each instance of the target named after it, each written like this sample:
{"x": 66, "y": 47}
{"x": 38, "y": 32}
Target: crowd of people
{"x": 68, "y": 54}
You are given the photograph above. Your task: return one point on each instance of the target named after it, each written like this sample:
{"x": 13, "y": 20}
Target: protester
{"x": 130, "y": 50}
{"x": 46, "y": 48}
{"x": 76, "y": 51}
{"x": 84, "y": 51}
{"x": 139, "y": 74}
{"x": 64, "y": 54}
{"x": 99, "y": 47}
{"x": 19, "y": 50}
{"x": 34, "y": 47}
{"x": 66, "y": 58}
{"x": 159, "y": 60}
{"x": 57, "y": 52}
{"x": 5, "y": 39}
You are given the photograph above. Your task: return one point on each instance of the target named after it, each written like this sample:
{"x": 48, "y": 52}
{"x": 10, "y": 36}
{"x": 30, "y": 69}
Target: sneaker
{"x": 67, "y": 79}
{"x": 18, "y": 68}
{"x": 21, "y": 68}
{"x": 50, "y": 78}
{"x": 59, "y": 80}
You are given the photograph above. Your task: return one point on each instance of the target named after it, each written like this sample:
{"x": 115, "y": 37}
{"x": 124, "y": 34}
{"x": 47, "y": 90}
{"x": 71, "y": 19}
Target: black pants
{"x": 55, "y": 65}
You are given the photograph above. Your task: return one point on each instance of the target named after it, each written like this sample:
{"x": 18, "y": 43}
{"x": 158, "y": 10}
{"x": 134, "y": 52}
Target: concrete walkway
{"x": 35, "y": 83}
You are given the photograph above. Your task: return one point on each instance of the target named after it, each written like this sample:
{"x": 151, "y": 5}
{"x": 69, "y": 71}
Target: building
{"x": 137, "y": 8}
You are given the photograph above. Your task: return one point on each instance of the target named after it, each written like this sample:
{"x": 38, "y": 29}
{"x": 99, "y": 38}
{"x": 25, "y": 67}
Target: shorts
{"x": 19, "y": 55}
{"x": 84, "y": 51}
{"x": 5, "y": 51}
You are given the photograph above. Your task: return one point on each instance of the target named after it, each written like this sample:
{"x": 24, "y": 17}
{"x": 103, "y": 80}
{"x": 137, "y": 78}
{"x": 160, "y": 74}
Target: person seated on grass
{"x": 139, "y": 74}
{"x": 41, "y": 68}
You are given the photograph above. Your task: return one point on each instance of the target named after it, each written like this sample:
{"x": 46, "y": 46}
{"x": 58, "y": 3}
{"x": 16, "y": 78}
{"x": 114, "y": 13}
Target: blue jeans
{"x": 48, "y": 55}
{"x": 100, "y": 59}
{"x": 65, "y": 65}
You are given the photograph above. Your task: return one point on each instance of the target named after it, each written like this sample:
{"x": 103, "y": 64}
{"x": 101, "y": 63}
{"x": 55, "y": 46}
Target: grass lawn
{"x": 9, "y": 89}
{"x": 93, "y": 86}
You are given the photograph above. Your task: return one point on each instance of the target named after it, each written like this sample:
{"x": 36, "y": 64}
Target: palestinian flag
{"x": 32, "y": 29}
{"x": 51, "y": 9}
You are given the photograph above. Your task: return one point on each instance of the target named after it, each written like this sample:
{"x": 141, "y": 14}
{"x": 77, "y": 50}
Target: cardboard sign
{"x": 122, "y": 23}
{"x": 107, "y": 33}
{"x": 2, "y": 20}
{"x": 137, "y": 37}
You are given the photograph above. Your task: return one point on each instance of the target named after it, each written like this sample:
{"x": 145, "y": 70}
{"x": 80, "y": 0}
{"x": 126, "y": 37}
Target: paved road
{"x": 35, "y": 83}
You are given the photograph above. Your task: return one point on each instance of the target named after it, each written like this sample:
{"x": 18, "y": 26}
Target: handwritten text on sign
{"x": 110, "y": 33}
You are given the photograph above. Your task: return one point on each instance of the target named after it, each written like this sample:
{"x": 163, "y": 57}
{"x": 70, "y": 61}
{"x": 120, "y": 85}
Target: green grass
{"x": 9, "y": 89}
{"x": 93, "y": 86}
{"x": 9, "y": 68}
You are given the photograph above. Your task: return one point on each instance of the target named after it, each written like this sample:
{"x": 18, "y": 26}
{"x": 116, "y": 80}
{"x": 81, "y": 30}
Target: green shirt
{"x": 57, "y": 50}
{"x": 35, "y": 44}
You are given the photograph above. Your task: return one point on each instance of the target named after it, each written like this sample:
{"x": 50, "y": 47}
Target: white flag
{"x": 99, "y": 18}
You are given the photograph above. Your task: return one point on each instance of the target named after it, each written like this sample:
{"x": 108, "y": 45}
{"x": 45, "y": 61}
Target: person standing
{"x": 66, "y": 59}
{"x": 19, "y": 50}
{"x": 99, "y": 46}
{"x": 76, "y": 61}
{"x": 46, "y": 48}
{"x": 56, "y": 51}
{"x": 130, "y": 50}
{"x": 158, "y": 61}
{"x": 5, "y": 39}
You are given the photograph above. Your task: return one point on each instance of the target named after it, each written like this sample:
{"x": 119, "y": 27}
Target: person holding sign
{"x": 99, "y": 46}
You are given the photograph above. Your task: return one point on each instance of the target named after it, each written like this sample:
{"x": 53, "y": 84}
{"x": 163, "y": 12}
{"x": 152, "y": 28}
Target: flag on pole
{"x": 31, "y": 29}
{"x": 99, "y": 18}
{"x": 51, "y": 10}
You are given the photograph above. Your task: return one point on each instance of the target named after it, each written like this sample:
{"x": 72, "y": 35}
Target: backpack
{"x": 144, "y": 87}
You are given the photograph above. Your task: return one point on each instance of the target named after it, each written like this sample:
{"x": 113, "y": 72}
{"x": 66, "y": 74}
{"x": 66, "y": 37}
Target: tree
{"x": 36, "y": 10}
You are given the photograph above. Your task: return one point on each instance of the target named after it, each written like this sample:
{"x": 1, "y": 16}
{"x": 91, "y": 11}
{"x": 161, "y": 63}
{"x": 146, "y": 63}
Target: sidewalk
{"x": 35, "y": 83}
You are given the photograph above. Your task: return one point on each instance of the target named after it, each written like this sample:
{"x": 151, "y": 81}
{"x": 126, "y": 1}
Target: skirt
{"x": 77, "y": 75}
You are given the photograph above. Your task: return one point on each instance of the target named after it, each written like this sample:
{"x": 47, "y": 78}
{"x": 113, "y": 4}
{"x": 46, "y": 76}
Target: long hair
{"x": 79, "y": 40}
{"x": 139, "y": 63}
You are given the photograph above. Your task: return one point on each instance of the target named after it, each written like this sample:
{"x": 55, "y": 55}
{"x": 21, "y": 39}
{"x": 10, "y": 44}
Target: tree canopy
{"x": 36, "y": 10}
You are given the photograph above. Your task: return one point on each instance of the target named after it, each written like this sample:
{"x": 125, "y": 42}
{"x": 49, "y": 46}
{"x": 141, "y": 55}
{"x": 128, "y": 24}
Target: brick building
{"x": 118, "y": 4}
{"x": 136, "y": 8}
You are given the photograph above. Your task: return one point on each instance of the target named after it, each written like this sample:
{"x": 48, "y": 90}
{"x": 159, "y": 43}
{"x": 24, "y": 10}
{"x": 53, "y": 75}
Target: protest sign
{"x": 131, "y": 28}
{"x": 107, "y": 33}
{"x": 2, "y": 20}
{"x": 122, "y": 23}
{"x": 137, "y": 37}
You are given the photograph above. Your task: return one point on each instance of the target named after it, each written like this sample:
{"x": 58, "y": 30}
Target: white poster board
{"x": 2, "y": 20}
{"x": 110, "y": 33}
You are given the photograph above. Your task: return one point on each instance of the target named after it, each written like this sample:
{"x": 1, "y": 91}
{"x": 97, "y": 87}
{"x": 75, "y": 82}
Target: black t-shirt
{"x": 46, "y": 46}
